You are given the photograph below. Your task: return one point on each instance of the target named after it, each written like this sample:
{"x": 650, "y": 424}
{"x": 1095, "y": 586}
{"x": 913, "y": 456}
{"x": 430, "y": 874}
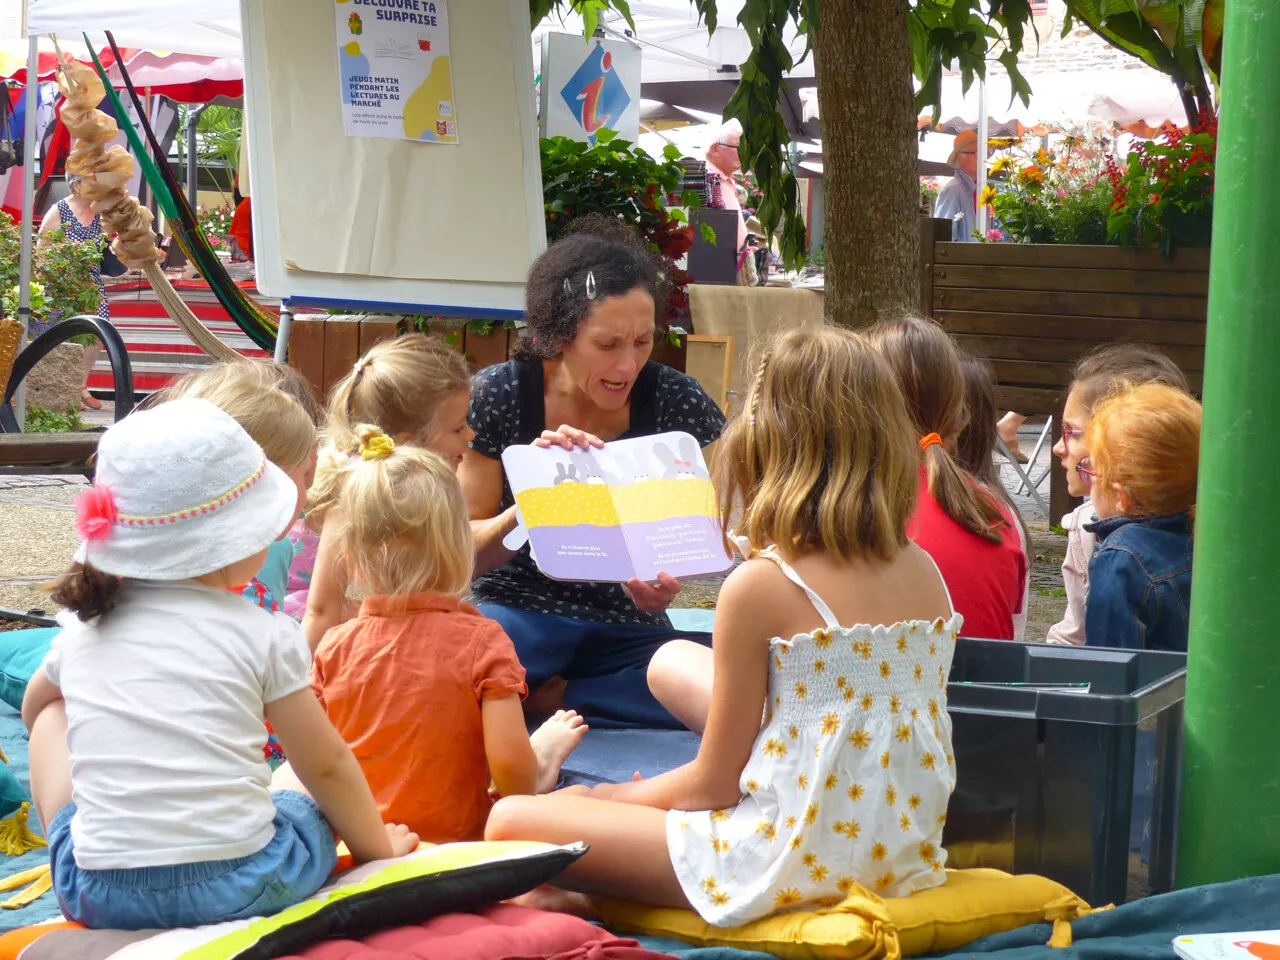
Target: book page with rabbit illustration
{"x": 631, "y": 509}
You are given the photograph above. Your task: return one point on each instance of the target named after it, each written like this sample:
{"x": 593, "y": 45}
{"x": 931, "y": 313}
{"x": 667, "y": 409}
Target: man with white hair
{"x": 722, "y": 164}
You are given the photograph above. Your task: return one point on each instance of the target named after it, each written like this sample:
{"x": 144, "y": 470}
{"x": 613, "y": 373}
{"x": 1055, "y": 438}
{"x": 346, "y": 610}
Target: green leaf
{"x": 707, "y": 232}
{"x": 671, "y": 152}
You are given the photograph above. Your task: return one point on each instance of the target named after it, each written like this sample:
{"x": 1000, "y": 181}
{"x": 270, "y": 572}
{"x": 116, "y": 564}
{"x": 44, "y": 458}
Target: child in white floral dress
{"x": 847, "y": 782}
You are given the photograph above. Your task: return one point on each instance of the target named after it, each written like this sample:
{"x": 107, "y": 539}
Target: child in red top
{"x": 972, "y": 538}
{"x": 424, "y": 689}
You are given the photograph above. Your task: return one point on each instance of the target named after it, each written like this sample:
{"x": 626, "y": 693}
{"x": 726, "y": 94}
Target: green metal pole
{"x": 1230, "y": 818}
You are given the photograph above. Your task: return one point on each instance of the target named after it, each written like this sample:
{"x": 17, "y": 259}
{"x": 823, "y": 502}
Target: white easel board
{"x": 447, "y": 229}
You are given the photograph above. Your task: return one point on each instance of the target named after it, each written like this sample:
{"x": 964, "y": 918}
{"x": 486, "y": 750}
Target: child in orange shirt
{"x": 424, "y": 689}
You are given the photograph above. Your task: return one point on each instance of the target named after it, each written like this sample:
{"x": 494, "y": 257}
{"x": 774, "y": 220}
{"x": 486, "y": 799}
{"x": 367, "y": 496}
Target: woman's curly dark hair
{"x": 556, "y": 300}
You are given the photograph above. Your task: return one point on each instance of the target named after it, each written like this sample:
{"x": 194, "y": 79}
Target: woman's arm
{"x": 327, "y": 603}
{"x": 512, "y": 762}
{"x": 332, "y": 775}
{"x": 51, "y": 222}
{"x": 746, "y": 617}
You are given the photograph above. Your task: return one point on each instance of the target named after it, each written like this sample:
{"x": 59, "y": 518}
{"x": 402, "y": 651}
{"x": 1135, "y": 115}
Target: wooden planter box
{"x": 325, "y": 347}
{"x": 1034, "y": 310}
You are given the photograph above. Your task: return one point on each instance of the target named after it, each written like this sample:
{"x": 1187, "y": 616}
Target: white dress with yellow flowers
{"x": 848, "y": 781}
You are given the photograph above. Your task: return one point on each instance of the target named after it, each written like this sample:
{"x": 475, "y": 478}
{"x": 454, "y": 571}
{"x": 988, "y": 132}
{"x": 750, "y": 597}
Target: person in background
{"x": 1104, "y": 372}
{"x": 77, "y": 219}
{"x": 1144, "y": 452}
{"x": 958, "y": 200}
{"x": 974, "y": 449}
{"x": 242, "y": 223}
{"x": 723, "y": 165}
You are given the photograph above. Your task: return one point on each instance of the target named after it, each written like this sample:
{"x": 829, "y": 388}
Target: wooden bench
{"x": 48, "y": 453}
{"x": 1034, "y": 310}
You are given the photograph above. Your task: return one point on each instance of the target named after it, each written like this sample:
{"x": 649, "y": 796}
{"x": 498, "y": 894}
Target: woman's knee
{"x": 671, "y": 667}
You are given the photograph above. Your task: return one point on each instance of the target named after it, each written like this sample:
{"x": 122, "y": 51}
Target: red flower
{"x": 95, "y": 512}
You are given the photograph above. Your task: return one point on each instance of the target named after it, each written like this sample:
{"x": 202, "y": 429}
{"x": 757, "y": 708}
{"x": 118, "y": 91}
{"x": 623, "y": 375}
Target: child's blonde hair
{"x": 824, "y": 456}
{"x": 272, "y": 402}
{"x": 927, "y": 367}
{"x": 1147, "y": 440}
{"x": 397, "y": 386}
{"x": 404, "y": 526}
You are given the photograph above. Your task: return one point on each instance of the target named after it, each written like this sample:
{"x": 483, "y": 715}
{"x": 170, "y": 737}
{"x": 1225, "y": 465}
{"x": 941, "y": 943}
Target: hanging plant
{"x": 616, "y": 179}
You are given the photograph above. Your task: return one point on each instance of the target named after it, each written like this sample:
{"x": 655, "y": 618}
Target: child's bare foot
{"x": 552, "y": 744}
{"x": 555, "y": 900}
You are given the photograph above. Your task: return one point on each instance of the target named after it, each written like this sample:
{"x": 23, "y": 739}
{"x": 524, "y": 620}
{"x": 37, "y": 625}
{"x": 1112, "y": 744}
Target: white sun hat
{"x": 179, "y": 491}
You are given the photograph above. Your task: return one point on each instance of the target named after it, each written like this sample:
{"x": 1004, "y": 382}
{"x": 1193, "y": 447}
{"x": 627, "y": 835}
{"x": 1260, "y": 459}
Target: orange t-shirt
{"x": 402, "y": 683}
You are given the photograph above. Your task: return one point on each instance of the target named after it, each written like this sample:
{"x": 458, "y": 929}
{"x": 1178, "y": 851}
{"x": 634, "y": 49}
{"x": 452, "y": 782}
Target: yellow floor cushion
{"x": 971, "y": 904}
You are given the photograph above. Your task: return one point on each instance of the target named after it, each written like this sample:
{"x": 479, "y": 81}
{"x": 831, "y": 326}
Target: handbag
{"x": 111, "y": 266}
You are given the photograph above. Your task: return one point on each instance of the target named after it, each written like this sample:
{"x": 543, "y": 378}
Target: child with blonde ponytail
{"x": 425, "y": 689}
{"x": 972, "y": 537}
{"x": 417, "y": 391}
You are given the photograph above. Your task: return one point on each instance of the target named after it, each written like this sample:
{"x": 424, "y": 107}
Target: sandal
{"x": 87, "y": 399}
{"x": 1018, "y": 454}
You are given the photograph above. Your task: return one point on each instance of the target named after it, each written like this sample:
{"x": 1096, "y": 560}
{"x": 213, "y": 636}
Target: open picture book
{"x": 630, "y": 509}
{"x": 1261, "y": 945}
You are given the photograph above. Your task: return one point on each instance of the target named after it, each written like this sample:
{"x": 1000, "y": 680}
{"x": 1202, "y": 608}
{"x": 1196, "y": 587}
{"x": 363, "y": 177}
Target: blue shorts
{"x": 293, "y": 865}
{"x": 605, "y": 665}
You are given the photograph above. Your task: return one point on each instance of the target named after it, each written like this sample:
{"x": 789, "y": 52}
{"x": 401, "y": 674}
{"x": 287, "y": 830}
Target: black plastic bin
{"x": 1078, "y": 787}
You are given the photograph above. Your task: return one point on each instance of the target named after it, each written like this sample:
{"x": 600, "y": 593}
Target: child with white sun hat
{"x": 146, "y": 717}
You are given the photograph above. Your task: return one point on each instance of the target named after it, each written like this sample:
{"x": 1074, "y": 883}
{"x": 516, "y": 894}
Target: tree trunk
{"x": 869, "y": 151}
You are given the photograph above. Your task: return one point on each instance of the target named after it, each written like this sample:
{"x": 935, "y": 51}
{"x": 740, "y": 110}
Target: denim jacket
{"x": 1140, "y": 583}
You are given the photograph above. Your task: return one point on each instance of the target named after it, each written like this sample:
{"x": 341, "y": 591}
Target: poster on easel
{"x": 393, "y": 63}
{"x": 630, "y": 509}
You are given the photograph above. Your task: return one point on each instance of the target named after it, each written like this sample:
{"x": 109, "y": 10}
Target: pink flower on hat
{"x": 95, "y": 512}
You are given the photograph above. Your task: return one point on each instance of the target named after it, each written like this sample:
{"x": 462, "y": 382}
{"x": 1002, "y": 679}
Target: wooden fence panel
{"x": 1033, "y": 311}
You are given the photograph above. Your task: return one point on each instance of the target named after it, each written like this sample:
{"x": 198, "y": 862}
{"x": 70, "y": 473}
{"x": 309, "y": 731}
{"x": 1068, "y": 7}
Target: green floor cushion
{"x": 449, "y": 878}
{"x": 21, "y": 653}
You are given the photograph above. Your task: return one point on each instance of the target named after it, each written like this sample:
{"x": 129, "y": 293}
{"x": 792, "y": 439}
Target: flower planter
{"x": 1034, "y": 310}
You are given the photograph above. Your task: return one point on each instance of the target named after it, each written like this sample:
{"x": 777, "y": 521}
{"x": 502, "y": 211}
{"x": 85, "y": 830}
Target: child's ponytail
{"x": 927, "y": 367}
{"x": 404, "y": 526}
{"x": 86, "y": 591}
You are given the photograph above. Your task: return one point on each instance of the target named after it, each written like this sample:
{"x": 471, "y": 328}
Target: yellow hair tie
{"x": 377, "y": 447}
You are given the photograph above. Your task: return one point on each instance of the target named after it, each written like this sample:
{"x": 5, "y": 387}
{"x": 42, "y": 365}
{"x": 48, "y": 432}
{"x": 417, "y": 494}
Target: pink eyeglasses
{"x": 1084, "y": 468}
{"x": 1070, "y": 433}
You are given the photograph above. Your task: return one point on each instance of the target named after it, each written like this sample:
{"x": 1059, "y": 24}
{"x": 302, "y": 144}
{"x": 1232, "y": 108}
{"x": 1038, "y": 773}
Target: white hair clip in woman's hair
{"x": 568, "y": 288}
{"x": 359, "y": 365}
{"x": 751, "y": 421}
{"x": 591, "y": 285}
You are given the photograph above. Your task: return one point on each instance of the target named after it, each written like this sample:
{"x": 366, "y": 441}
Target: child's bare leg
{"x": 553, "y": 742}
{"x": 680, "y": 678}
{"x": 628, "y": 858}
{"x": 50, "y": 762}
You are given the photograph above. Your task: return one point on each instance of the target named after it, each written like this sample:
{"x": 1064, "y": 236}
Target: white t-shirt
{"x": 165, "y": 718}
